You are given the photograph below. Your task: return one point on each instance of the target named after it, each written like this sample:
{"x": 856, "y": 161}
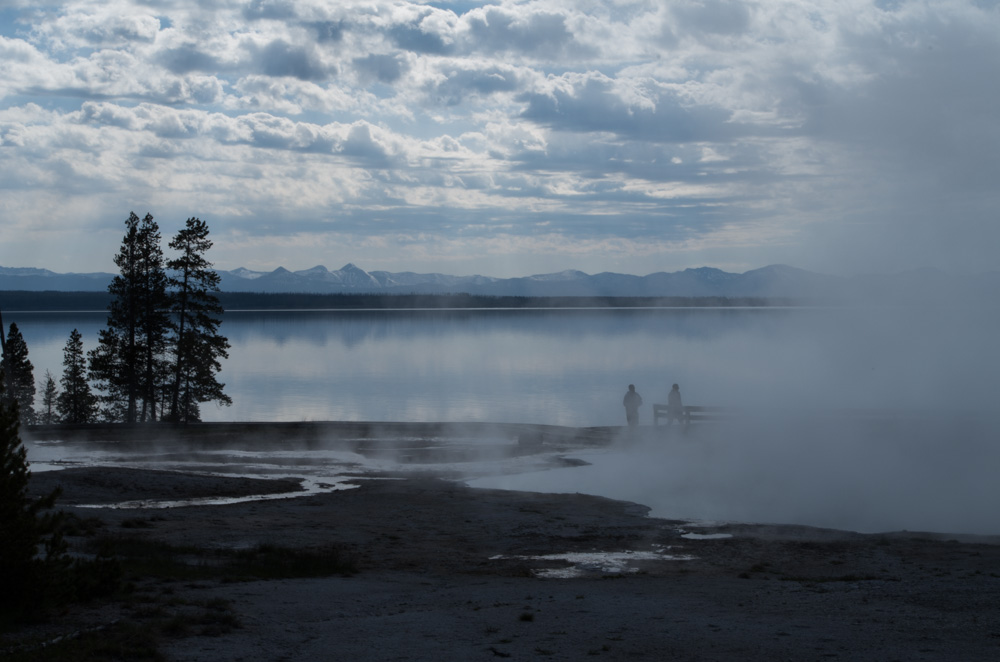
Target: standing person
{"x": 675, "y": 410}
{"x": 632, "y": 402}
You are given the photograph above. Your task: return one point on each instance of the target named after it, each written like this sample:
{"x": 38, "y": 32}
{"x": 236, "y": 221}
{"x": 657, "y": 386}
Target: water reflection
{"x": 569, "y": 367}
{"x": 557, "y": 367}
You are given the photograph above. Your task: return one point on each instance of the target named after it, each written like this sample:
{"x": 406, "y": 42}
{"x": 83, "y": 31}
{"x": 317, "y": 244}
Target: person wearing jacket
{"x": 632, "y": 402}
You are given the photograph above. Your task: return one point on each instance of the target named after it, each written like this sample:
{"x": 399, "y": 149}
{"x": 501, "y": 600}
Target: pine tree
{"x": 128, "y": 365}
{"x": 36, "y": 573}
{"x": 112, "y": 361}
{"x": 50, "y": 396}
{"x": 76, "y": 403}
{"x": 154, "y": 319}
{"x": 198, "y": 345}
{"x": 6, "y": 397}
{"x": 20, "y": 373}
{"x": 25, "y": 579}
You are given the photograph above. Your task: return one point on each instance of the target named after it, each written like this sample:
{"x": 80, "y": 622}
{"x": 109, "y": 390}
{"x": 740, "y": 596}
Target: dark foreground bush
{"x": 36, "y": 573}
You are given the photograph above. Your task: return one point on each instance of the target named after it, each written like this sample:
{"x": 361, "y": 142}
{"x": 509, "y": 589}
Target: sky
{"x": 506, "y": 138}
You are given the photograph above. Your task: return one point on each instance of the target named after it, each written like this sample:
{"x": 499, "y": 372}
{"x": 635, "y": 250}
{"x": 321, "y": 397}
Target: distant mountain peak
{"x": 26, "y": 271}
{"x": 772, "y": 281}
{"x": 709, "y": 273}
{"x": 243, "y": 272}
{"x": 782, "y": 269}
{"x": 568, "y": 274}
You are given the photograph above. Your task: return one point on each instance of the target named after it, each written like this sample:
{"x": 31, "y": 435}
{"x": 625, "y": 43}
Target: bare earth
{"x": 447, "y": 573}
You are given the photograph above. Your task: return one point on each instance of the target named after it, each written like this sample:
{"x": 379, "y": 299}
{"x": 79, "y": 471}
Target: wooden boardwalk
{"x": 700, "y": 414}
{"x": 695, "y": 414}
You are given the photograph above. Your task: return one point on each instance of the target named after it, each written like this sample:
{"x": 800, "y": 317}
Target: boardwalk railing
{"x": 694, "y": 414}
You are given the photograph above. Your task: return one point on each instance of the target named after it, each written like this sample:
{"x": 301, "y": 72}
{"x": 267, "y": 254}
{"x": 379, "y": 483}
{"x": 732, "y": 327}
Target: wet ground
{"x": 311, "y": 458}
{"x": 447, "y": 571}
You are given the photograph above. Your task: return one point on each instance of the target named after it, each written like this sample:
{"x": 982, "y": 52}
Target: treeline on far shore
{"x": 22, "y": 300}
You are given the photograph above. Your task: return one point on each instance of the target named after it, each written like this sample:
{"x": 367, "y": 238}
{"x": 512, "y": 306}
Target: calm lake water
{"x": 931, "y": 470}
{"x": 572, "y": 367}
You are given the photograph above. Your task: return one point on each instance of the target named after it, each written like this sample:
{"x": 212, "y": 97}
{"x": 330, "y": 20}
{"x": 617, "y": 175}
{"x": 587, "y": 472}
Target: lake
{"x": 572, "y": 366}
{"x": 932, "y": 468}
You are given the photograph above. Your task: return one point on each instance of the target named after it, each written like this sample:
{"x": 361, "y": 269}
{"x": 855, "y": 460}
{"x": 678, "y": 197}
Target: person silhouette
{"x": 632, "y": 402}
{"x": 675, "y": 410}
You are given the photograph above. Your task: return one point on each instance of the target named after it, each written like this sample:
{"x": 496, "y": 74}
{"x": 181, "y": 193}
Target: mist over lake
{"x": 795, "y": 457}
{"x": 571, "y": 367}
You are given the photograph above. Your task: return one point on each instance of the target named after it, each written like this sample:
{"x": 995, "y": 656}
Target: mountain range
{"x": 774, "y": 281}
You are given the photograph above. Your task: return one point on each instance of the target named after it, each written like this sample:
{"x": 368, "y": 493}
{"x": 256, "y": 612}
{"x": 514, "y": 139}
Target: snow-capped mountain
{"x": 771, "y": 281}
{"x": 38, "y": 280}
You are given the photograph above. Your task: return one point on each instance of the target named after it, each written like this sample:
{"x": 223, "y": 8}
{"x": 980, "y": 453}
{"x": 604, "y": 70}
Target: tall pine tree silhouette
{"x": 128, "y": 364}
{"x": 20, "y": 373}
{"x": 76, "y": 403}
{"x": 198, "y": 345}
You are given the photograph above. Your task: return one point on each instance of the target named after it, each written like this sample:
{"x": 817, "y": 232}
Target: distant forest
{"x": 19, "y": 300}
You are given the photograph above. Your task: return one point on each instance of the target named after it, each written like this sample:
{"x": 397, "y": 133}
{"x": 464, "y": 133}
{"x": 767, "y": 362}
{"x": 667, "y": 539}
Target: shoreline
{"x": 515, "y": 456}
{"x": 443, "y": 570}
{"x": 31, "y": 301}
{"x": 257, "y": 433}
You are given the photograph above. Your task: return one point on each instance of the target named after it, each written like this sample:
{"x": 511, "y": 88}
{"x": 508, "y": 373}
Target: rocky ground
{"x": 440, "y": 571}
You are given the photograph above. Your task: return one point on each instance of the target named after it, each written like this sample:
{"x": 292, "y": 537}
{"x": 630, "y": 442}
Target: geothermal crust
{"x": 444, "y": 571}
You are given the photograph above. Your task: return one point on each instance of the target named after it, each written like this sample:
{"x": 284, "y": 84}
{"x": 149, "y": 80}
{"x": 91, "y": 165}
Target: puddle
{"x": 321, "y": 469}
{"x": 310, "y": 486}
{"x": 465, "y": 457}
{"x": 597, "y": 563}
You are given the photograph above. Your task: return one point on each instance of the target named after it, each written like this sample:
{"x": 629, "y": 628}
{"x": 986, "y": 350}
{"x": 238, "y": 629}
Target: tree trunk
{"x": 6, "y": 390}
{"x": 179, "y": 362}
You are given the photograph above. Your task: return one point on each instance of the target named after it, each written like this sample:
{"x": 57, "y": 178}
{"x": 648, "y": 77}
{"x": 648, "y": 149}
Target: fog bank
{"x": 917, "y": 474}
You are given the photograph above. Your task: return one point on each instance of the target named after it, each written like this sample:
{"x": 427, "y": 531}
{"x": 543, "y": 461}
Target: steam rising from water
{"x": 920, "y": 474}
{"x": 793, "y": 460}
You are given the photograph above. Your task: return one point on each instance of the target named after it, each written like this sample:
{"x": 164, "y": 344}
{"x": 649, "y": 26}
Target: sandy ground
{"x": 447, "y": 572}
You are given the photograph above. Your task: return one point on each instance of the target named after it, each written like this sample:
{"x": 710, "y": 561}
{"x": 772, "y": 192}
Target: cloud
{"x": 122, "y": 29}
{"x": 187, "y": 58}
{"x": 327, "y": 31}
{"x": 413, "y": 37}
{"x": 275, "y": 10}
{"x": 279, "y": 58}
{"x": 454, "y": 82}
{"x": 537, "y": 33}
{"x": 720, "y": 17}
{"x": 638, "y": 109}
{"x": 828, "y": 135}
{"x": 384, "y": 68}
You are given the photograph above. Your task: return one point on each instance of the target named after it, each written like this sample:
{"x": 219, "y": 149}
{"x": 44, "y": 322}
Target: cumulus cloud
{"x": 413, "y": 37}
{"x": 454, "y": 81}
{"x": 639, "y": 109}
{"x": 280, "y": 58}
{"x": 722, "y": 17}
{"x": 275, "y": 10}
{"x": 187, "y": 58}
{"x": 536, "y": 33}
{"x": 385, "y": 68}
{"x": 834, "y": 136}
